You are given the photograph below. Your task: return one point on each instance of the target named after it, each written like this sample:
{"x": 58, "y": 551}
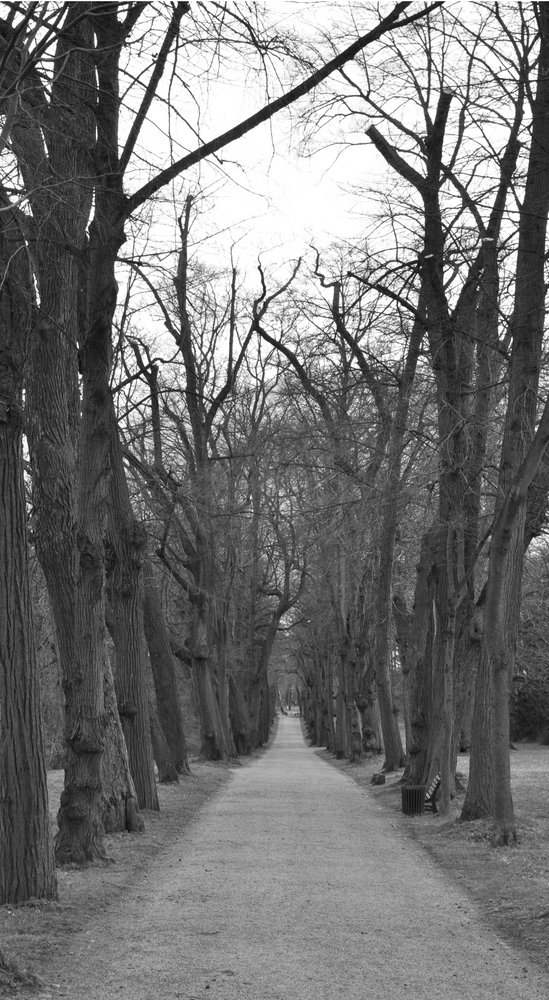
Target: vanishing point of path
{"x": 292, "y": 884}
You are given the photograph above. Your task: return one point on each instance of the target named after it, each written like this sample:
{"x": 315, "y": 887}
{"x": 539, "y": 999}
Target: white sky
{"x": 265, "y": 198}
{"x": 270, "y": 199}
{"x": 273, "y": 200}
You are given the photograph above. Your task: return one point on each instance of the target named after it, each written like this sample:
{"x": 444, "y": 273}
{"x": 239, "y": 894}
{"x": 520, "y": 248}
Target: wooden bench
{"x": 431, "y": 794}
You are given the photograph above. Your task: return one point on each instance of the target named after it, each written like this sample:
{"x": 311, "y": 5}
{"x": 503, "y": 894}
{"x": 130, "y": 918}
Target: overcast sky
{"x": 267, "y": 197}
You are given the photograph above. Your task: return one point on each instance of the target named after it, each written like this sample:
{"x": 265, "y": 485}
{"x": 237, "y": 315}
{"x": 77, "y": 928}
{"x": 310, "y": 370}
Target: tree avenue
{"x": 324, "y": 474}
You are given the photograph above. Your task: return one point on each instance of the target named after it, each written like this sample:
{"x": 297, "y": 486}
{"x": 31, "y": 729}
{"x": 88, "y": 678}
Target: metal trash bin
{"x": 413, "y": 800}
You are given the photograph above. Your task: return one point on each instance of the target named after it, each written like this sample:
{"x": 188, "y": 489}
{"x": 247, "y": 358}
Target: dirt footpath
{"x": 292, "y": 884}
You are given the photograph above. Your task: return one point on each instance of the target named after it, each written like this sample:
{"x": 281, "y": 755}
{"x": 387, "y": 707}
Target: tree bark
{"x": 163, "y": 670}
{"x": 238, "y": 713}
{"x": 394, "y": 754}
{"x": 26, "y": 852}
{"x": 479, "y": 797}
{"x": 422, "y": 651}
{"x": 167, "y": 771}
{"x": 507, "y": 549}
{"x": 126, "y": 543}
{"x": 80, "y": 821}
{"x": 119, "y": 809}
{"x": 446, "y": 768}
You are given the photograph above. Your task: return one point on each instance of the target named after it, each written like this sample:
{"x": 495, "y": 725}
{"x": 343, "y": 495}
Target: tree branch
{"x": 165, "y": 176}
{"x": 171, "y": 33}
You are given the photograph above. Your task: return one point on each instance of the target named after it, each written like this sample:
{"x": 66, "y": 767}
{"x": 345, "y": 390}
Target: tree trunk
{"x": 259, "y": 698}
{"x": 394, "y": 754}
{"x": 402, "y": 620}
{"x": 214, "y": 746}
{"x": 80, "y": 820}
{"x": 238, "y": 713}
{"x": 479, "y": 797}
{"x": 341, "y": 708}
{"x": 125, "y": 552}
{"x": 167, "y": 771}
{"x": 61, "y": 199}
{"x": 495, "y": 642}
{"x": 254, "y": 710}
{"x": 119, "y": 808}
{"x": 223, "y": 683}
{"x": 266, "y": 713}
{"x": 422, "y": 652}
{"x": 131, "y": 690}
{"x": 163, "y": 671}
{"x": 507, "y": 549}
{"x": 26, "y": 853}
{"x": 329, "y": 698}
{"x": 446, "y": 764}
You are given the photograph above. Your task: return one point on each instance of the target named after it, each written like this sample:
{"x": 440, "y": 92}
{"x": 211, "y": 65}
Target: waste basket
{"x": 413, "y": 800}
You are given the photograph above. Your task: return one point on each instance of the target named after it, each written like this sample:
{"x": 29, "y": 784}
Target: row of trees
{"x": 470, "y": 149}
{"x": 79, "y": 87}
{"x": 331, "y": 472}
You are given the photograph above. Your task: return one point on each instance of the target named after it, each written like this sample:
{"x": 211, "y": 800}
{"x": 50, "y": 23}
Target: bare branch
{"x": 165, "y": 176}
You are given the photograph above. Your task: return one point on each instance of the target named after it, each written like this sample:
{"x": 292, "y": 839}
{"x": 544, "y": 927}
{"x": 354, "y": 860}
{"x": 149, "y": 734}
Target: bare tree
{"x": 521, "y": 452}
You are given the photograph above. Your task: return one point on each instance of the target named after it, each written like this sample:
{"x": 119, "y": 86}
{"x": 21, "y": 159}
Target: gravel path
{"x": 292, "y": 884}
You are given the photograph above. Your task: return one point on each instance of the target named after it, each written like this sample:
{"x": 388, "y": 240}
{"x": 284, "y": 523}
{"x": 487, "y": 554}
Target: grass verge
{"x": 33, "y": 935}
{"x": 509, "y": 885}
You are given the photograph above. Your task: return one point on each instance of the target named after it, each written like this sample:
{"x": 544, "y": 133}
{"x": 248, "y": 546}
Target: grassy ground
{"x": 511, "y": 885}
{"x": 33, "y": 931}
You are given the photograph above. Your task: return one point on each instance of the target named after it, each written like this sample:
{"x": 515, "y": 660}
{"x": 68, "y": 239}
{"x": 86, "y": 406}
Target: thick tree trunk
{"x": 79, "y": 819}
{"x": 506, "y": 553}
{"x": 496, "y": 645}
{"x": 223, "y": 683}
{"x": 119, "y": 808}
{"x": 167, "y": 771}
{"x": 318, "y": 708}
{"x": 125, "y": 549}
{"x": 259, "y": 697}
{"x": 254, "y": 710}
{"x": 394, "y": 754}
{"x": 402, "y": 620}
{"x": 238, "y": 714}
{"x": 163, "y": 671}
{"x": 447, "y": 768}
{"x": 422, "y": 652}
{"x": 214, "y": 745}
{"x": 479, "y": 797}
{"x": 266, "y": 713}
{"x": 131, "y": 689}
{"x": 26, "y": 852}
{"x": 61, "y": 196}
